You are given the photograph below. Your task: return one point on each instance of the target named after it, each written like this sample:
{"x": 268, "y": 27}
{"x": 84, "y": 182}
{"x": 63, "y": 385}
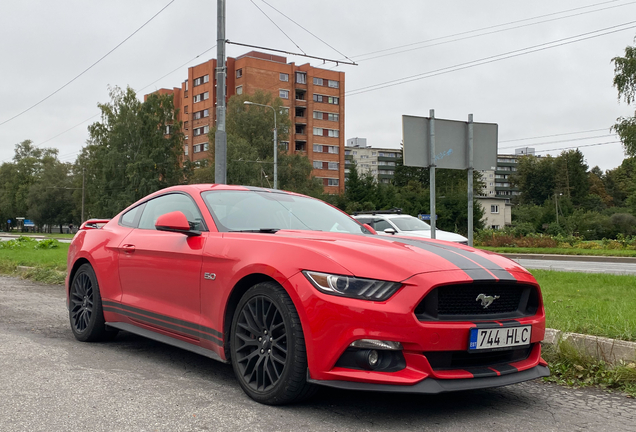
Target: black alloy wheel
{"x": 85, "y": 307}
{"x": 82, "y": 302}
{"x": 268, "y": 348}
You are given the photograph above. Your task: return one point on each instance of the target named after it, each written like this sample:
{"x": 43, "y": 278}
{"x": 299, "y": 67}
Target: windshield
{"x": 410, "y": 224}
{"x": 271, "y": 211}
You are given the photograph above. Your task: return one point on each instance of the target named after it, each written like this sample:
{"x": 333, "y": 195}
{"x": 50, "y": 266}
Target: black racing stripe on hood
{"x": 501, "y": 273}
{"x": 474, "y": 270}
{"x": 469, "y": 258}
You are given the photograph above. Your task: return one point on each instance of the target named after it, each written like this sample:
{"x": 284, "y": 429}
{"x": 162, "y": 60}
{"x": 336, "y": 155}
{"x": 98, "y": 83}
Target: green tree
{"x": 571, "y": 177}
{"x": 135, "y": 149}
{"x": 535, "y": 178}
{"x": 625, "y": 83}
{"x": 50, "y": 199}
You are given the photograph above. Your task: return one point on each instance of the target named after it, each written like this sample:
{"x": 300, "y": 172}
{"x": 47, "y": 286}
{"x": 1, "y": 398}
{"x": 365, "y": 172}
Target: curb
{"x": 601, "y": 348}
{"x": 585, "y": 258}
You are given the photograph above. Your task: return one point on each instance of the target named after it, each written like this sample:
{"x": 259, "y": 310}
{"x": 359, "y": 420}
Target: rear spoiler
{"x": 94, "y": 224}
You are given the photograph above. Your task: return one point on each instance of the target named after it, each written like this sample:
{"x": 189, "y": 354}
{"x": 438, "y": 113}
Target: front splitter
{"x": 435, "y": 386}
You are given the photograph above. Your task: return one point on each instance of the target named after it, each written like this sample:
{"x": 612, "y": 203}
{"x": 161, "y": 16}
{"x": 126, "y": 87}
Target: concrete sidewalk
{"x": 609, "y": 350}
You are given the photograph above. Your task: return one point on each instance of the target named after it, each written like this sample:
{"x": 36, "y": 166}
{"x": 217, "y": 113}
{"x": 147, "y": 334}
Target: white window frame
{"x": 283, "y": 77}
{"x": 318, "y": 81}
{"x": 333, "y": 84}
{"x": 239, "y": 90}
{"x": 283, "y": 93}
{"x": 301, "y": 77}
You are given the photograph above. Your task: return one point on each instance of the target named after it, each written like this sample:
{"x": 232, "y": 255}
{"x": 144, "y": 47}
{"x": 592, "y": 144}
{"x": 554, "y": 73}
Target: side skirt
{"x": 166, "y": 339}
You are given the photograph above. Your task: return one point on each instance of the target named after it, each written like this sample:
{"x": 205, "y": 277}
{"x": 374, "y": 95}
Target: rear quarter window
{"x": 131, "y": 217}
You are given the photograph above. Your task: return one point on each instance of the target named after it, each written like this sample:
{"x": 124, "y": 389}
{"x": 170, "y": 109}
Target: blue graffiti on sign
{"x": 443, "y": 154}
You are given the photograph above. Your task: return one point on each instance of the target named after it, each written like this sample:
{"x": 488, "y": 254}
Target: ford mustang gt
{"x": 295, "y": 293}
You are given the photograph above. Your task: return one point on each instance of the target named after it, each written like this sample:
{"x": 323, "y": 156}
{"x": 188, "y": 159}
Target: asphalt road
{"x": 50, "y": 382}
{"x": 579, "y": 266}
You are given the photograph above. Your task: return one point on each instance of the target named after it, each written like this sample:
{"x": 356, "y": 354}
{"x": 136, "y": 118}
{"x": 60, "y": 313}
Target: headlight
{"x": 349, "y": 286}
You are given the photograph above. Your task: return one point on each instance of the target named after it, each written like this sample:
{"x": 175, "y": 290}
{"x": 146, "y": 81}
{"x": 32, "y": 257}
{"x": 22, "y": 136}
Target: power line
{"x": 578, "y": 146}
{"x": 290, "y": 53}
{"x": 309, "y": 31}
{"x": 281, "y": 30}
{"x": 492, "y": 59}
{"x": 88, "y": 68}
{"x": 560, "y": 141}
{"x": 488, "y": 28}
{"x": 555, "y": 135}
{"x": 97, "y": 115}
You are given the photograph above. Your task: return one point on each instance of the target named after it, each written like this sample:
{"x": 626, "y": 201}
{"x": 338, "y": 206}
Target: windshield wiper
{"x": 260, "y": 230}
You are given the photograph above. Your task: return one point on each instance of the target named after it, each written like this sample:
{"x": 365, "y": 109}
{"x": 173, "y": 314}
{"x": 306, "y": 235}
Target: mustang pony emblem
{"x": 486, "y": 300}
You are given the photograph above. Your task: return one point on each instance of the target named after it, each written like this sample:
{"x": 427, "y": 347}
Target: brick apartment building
{"x": 315, "y": 98}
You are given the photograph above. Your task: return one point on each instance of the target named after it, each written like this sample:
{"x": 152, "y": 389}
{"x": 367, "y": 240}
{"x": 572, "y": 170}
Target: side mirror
{"x": 390, "y": 231}
{"x": 175, "y": 221}
{"x": 367, "y": 226}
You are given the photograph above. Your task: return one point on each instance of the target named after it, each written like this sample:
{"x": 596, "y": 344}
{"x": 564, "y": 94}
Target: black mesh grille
{"x": 467, "y": 301}
{"x": 462, "y": 299}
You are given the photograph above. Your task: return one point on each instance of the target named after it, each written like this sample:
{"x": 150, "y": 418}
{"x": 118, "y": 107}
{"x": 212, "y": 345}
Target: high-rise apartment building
{"x": 379, "y": 162}
{"x": 314, "y": 97}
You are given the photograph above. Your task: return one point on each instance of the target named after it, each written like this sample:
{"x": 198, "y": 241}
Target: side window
{"x": 365, "y": 220}
{"x": 167, "y": 204}
{"x": 131, "y": 217}
{"x": 381, "y": 225}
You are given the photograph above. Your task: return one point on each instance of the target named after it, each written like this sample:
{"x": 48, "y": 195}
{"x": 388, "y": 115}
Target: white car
{"x": 404, "y": 226}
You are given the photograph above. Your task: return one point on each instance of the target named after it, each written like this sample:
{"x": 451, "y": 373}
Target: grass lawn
{"x": 48, "y": 258}
{"x": 49, "y": 264}
{"x": 594, "y": 304}
{"x": 562, "y": 251}
{"x": 46, "y": 235}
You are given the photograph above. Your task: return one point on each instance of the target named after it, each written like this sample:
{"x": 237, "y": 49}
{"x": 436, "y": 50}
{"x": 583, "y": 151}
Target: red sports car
{"x": 295, "y": 293}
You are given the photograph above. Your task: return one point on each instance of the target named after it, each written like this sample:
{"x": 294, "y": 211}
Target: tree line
{"x": 137, "y": 148}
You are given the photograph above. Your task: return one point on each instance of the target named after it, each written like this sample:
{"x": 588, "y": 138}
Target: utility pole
{"x": 220, "y": 137}
{"x": 470, "y": 180}
{"x": 431, "y": 132}
{"x": 83, "y": 192}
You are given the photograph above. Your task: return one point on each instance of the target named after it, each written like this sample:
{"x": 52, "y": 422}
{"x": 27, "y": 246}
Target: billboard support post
{"x": 431, "y": 131}
{"x": 470, "y": 179}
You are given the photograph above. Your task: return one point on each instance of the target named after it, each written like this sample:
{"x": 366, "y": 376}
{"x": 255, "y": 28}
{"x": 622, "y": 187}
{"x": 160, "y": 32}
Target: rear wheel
{"x": 85, "y": 307}
{"x": 268, "y": 347}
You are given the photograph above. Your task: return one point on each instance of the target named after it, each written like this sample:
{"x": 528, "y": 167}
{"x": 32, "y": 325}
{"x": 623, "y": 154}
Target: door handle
{"x": 128, "y": 248}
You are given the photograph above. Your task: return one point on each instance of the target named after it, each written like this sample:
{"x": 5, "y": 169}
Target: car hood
{"x": 398, "y": 258}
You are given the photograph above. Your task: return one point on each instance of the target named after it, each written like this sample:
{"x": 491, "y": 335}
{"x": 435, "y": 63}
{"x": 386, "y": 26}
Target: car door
{"x": 160, "y": 272}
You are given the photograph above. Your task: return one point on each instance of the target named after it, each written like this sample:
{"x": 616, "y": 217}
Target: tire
{"x": 267, "y": 347}
{"x": 86, "y": 315}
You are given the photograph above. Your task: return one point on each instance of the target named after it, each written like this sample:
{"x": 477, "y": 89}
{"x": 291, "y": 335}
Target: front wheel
{"x": 268, "y": 347}
{"x": 85, "y": 307}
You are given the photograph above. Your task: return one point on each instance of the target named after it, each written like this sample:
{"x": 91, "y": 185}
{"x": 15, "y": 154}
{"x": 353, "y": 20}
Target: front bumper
{"x": 331, "y": 324}
{"x": 435, "y": 386}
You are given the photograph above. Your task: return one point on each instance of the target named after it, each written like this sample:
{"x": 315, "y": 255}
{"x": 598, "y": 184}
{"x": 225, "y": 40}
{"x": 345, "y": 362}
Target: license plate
{"x": 497, "y": 338}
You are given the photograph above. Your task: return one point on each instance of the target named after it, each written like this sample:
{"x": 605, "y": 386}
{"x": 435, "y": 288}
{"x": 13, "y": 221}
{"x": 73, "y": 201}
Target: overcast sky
{"x": 564, "y": 89}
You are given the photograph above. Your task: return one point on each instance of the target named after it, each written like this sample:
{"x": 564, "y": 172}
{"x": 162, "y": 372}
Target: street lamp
{"x": 275, "y": 141}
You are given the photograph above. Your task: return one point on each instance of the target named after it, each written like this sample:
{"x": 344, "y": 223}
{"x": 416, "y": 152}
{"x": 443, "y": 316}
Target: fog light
{"x": 373, "y": 358}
